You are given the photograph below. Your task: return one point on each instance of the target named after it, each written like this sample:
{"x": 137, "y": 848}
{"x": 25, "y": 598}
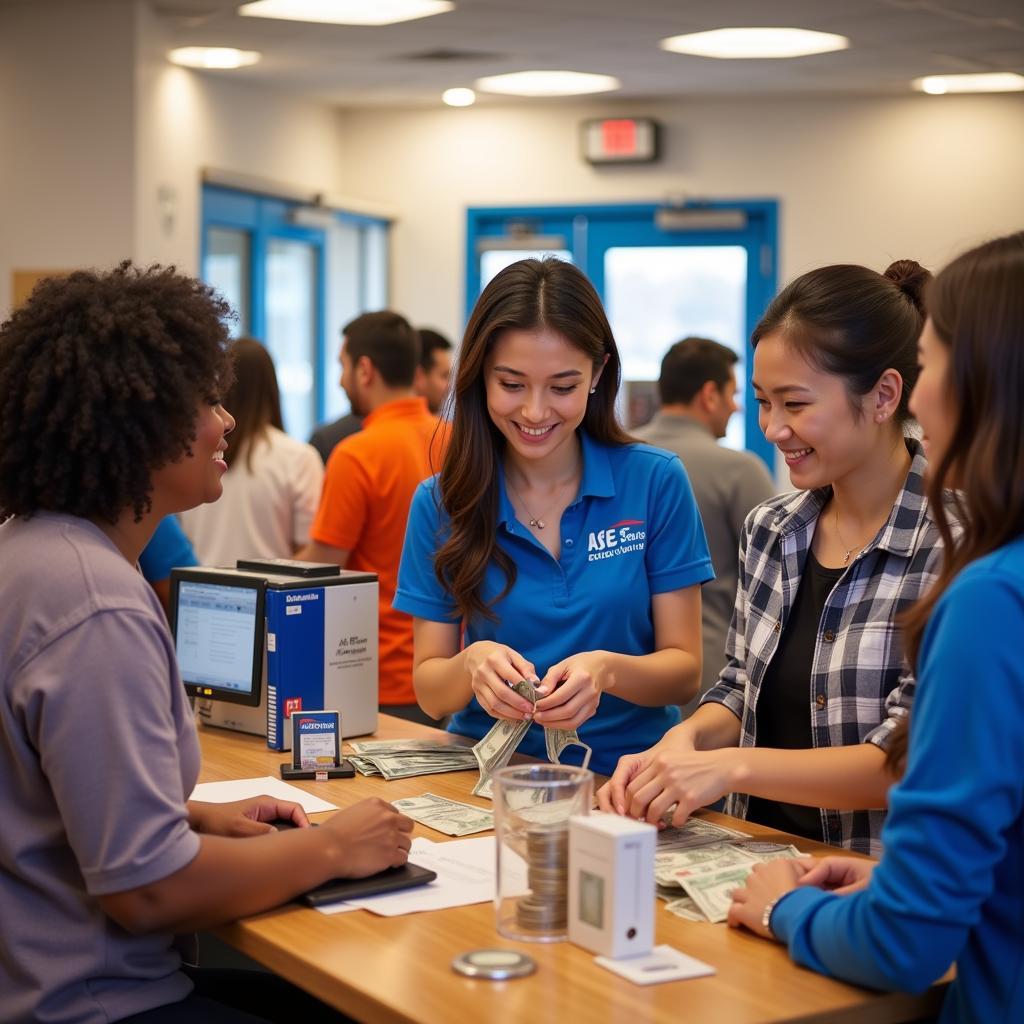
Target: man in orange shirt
{"x": 370, "y": 479}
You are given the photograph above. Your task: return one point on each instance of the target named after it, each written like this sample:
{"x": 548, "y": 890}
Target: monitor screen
{"x": 218, "y": 636}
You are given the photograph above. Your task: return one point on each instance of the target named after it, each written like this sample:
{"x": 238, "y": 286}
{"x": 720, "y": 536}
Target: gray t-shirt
{"x": 98, "y": 754}
{"x": 727, "y": 485}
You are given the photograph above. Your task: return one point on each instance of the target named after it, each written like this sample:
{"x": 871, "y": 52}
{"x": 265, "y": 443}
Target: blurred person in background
{"x": 371, "y": 476}
{"x": 435, "y": 370}
{"x": 272, "y": 486}
{"x": 697, "y": 388}
{"x": 431, "y": 382}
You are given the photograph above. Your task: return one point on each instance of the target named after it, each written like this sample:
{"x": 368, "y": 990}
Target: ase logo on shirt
{"x": 618, "y": 539}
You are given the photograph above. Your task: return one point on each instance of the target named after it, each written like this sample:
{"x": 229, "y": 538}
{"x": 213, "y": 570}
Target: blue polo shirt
{"x": 632, "y": 531}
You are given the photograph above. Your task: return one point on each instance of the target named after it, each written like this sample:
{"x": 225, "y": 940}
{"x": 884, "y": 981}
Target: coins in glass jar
{"x": 547, "y": 857}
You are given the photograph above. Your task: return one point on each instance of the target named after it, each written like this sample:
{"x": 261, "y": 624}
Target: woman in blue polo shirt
{"x": 948, "y": 887}
{"x": 550, "y": 547}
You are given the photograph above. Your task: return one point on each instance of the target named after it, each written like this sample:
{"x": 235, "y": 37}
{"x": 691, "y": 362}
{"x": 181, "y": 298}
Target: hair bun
{"x": 911, "y": 278}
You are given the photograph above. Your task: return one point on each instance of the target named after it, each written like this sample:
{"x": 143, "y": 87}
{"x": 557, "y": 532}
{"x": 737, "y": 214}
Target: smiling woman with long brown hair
{"x": 949, "y": 886}
{"x": 548, "y": 532}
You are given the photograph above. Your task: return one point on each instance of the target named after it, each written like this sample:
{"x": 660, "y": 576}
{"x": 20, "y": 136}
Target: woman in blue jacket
{"x": 950, "y": 886}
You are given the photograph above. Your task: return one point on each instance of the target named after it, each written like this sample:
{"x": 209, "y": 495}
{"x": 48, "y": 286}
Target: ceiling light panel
{"x": 755, "y": 43}
{"x": 547, "y": 83}
{"x": 996, "y": 81}
{"x": 459, "y": 97}
{"x": 346, "y": 12}
{"x": 212, "y": 57}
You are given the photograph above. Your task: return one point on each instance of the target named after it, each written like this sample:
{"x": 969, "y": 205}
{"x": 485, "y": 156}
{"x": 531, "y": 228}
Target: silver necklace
{"x": 842, "y": 543}
{"x": 536, "y": 522}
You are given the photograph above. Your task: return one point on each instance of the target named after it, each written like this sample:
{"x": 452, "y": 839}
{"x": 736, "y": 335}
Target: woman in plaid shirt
{"x": 797, "y": 726}
{"x": 948, "y": 888}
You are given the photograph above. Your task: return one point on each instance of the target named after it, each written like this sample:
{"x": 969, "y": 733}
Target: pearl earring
{"x": 593, "y": 389}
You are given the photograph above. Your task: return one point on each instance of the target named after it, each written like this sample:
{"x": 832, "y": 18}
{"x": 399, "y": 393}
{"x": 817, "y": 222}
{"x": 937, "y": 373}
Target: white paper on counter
{"x": 244, "y": 789}
{"x": 465, "y": 874}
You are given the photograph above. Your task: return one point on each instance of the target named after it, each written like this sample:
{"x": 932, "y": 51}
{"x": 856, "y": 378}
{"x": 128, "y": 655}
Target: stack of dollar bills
{"x": 402, "y": 759}
{"x": 697, "y": 867}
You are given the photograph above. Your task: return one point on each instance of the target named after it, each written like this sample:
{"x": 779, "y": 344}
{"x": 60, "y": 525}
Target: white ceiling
{"x": 891, "y": 42}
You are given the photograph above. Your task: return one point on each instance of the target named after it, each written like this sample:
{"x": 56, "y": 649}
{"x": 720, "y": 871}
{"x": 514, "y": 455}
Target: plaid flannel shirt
{"x": 860, "y": 685}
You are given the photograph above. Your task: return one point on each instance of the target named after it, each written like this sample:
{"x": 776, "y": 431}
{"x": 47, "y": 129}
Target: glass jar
{"x": 532, "y": 807}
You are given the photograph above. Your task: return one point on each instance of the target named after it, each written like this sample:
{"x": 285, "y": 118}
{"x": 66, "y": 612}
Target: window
{"x": 295, "y": 275}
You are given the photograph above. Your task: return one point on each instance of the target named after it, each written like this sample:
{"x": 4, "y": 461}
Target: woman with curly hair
{"x": 109, "y": 420}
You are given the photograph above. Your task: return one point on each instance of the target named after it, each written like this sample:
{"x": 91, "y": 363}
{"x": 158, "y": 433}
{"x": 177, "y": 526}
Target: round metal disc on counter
{"x": 494, "y": 964}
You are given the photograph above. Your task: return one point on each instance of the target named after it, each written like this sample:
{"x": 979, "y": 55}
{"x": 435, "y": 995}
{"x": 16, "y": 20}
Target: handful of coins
{"x": 544, "y": 909}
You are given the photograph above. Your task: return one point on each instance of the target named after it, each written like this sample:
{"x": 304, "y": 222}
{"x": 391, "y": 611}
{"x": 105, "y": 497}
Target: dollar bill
{"x": 419, "y": 746}
{"x": 761, "y": 851}
{"x": 727, "y": 868}
{"x": 495, "y": 750}
{"x": 685, "y": 908}
{"x": 671, "y": 868}
{"x": 556, "y": 741}
{"x": 448, "y": 816}
{"x": 402, "y": 759}
{"x": 712, "y": 891}
{"x": 363, "y": 765}
{"x": 694, "y": 833}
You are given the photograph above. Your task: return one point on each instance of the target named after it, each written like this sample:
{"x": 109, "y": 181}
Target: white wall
{"x": 188, "y": 120}
{"x": 103, "y": 141}
{"x": 863, "y": 180}
{"x": 95, "y": 127}
{"x": 66, "y": 156}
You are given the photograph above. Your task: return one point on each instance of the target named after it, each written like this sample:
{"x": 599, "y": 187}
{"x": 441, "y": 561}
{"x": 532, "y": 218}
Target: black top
{"x": 784, "y": 703}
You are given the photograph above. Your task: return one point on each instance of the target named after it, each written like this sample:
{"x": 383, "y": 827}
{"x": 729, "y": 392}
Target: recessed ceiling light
{"x": 459, "y": 97}
{"x": 547, "y": 83}
{"x": 346, "y": 12}
{"x": 755, "y": 43}
{"x": 996, "y": 81}
{"x": 212, "y": 57}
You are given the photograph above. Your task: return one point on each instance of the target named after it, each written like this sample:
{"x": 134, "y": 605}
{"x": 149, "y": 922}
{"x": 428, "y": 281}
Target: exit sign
{"x": 615, "y": 140}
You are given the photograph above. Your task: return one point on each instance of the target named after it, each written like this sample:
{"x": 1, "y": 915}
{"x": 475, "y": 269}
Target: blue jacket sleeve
{"x": 949, "y": 817}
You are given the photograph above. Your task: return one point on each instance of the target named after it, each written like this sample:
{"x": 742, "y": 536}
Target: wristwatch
{"x": 766, "y": 915}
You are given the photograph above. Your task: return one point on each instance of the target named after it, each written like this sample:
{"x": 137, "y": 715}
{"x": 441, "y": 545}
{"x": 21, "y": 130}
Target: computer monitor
{"x": 218, "y": 626}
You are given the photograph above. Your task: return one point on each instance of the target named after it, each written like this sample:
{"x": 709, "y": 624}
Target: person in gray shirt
{"x": 697, "y": 387}
{"x": 110, "y": 420}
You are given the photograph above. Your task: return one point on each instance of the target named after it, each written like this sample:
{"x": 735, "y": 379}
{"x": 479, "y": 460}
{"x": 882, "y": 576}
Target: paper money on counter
{"x": 403, "y": 759}
{"x": 448, "y": 816}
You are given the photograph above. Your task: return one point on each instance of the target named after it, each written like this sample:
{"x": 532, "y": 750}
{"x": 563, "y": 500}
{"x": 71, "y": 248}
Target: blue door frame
{"x": 589, "y": 231}
{"x": 265, "y": 218}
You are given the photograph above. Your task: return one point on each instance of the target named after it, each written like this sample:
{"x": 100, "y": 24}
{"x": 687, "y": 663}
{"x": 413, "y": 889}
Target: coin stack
{"x": 547, "y": 858}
